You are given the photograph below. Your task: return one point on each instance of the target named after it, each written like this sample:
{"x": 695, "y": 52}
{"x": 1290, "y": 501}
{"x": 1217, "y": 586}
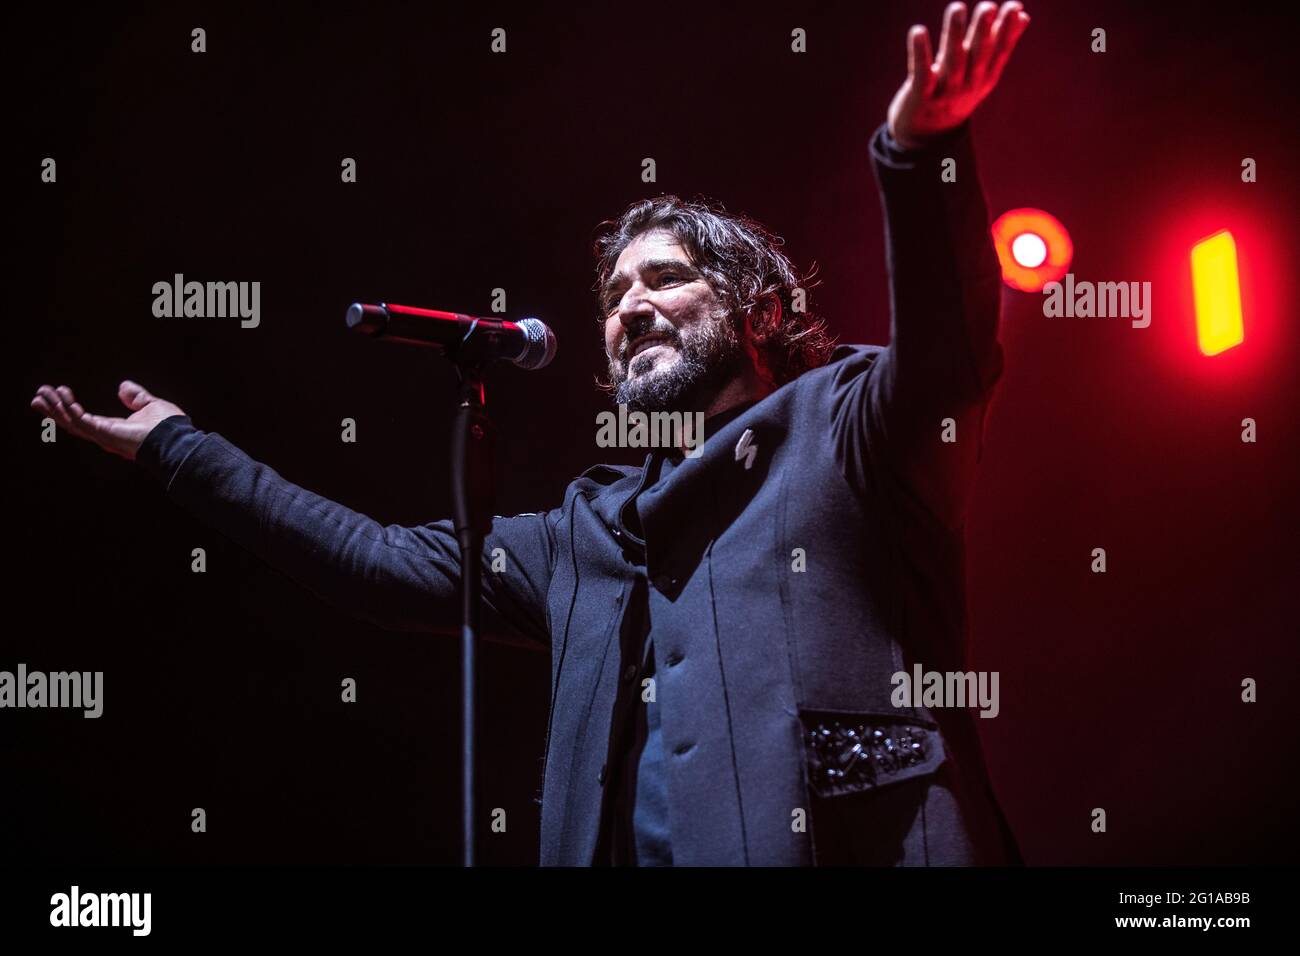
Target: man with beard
{"x": 723, "y": 628}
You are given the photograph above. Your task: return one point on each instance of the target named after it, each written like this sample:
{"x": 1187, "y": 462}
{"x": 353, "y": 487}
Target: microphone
{"x": 529, "y": 343}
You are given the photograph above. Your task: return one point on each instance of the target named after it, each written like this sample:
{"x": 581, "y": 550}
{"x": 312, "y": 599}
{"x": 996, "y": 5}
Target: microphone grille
{"x": 541, "y": 345}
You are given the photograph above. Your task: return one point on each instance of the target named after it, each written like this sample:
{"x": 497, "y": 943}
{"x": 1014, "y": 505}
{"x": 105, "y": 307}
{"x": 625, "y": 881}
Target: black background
{"x": 479, "y": 171}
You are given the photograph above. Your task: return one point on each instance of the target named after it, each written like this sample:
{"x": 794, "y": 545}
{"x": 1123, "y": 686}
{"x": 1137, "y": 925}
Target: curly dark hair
{"x": 744, "y": 265}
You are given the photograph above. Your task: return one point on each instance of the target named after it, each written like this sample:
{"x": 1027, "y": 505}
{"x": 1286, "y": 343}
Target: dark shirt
{"x": 635, "y": 829}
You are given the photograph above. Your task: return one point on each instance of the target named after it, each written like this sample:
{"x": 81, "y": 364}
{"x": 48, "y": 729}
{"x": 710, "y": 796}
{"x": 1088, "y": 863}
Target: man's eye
{"x": 612, "y": 302}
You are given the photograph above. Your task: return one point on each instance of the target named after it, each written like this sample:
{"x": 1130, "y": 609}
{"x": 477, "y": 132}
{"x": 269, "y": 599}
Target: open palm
{"x": 941, "y": 95}
{"x": 121, "y": 436}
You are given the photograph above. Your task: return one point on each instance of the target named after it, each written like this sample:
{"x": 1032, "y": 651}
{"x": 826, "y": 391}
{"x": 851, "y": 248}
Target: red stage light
{"x": 1029, "y": 250}
{"x": 1033, "y": 248}
{"x": 1217, "y": 293}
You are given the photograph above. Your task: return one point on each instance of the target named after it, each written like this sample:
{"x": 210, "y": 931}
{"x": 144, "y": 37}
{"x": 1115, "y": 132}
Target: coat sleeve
{"x": 943, "y": 359}
{"x": 396, "y": 577}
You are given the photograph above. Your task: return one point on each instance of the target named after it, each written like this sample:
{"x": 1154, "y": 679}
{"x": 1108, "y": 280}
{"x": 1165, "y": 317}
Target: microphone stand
{"x": 472, "y": 505}
{"x": 471, "y": 480}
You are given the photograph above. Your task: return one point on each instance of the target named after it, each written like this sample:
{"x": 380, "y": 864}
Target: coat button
{"x": 600, "y": 777}
{"x": 629, "y": 672}
{"x": 665, "y": 582}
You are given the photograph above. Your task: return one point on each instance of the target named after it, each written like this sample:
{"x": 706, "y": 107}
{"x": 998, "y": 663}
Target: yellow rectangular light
{"x": 1217, "y": 293}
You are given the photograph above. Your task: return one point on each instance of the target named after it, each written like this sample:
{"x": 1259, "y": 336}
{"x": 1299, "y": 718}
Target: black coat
{"x": 786, "y": 588}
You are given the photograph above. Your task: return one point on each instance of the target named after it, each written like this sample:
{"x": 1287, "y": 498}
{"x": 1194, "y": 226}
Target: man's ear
{"x": 761, "y": 322}
{"x": 765, "y": 316}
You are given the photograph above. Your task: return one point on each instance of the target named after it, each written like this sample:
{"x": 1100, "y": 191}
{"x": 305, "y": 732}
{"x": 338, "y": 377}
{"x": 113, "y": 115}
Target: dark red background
{"x": 476, "y": 171}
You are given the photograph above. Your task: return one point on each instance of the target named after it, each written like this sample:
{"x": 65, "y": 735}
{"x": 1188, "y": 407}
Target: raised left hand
{"x": 940, "y": 96}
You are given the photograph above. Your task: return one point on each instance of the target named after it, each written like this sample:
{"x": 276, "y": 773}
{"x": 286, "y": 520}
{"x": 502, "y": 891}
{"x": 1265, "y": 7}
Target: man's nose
{"x": 635, "y": 313}
{"x": 633, "y": 307}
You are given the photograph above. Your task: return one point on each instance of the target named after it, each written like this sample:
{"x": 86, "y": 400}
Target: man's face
{"x": 668, "y": 337}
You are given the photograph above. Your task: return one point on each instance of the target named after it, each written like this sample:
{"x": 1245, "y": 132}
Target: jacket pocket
{"x": 848, "y": 752}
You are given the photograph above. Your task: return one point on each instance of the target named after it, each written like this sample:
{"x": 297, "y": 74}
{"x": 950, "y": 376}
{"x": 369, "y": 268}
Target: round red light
{"x": 1033, "y": 248}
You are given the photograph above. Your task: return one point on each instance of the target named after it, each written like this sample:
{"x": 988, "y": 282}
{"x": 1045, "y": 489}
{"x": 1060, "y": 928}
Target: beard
{"x": 709, "y": 355}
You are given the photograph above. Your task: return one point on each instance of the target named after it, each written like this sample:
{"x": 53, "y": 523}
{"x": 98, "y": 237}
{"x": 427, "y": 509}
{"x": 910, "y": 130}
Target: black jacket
{"x": 786, "y": 587}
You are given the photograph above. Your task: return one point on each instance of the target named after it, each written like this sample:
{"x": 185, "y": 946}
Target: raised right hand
{"x": 121, "y": 436}
{"x": 939, "y": 96}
